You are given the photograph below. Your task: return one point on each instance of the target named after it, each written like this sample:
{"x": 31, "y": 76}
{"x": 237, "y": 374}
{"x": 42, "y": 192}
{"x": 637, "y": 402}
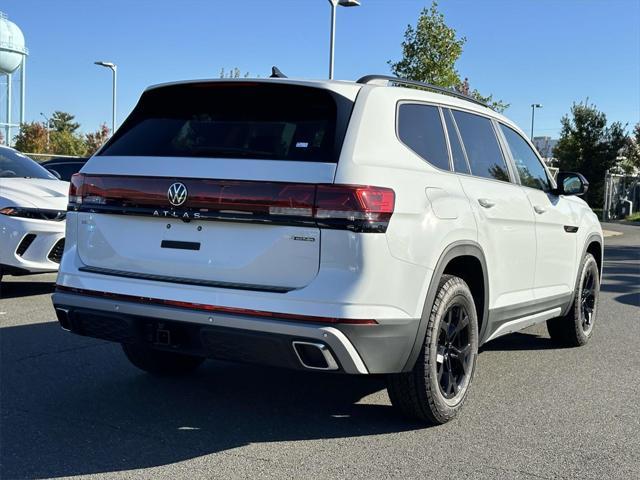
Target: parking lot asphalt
{"x": 73, "y": 406}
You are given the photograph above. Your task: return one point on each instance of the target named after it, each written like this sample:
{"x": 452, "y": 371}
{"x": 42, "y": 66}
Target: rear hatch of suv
{"x": 216, "y": 183}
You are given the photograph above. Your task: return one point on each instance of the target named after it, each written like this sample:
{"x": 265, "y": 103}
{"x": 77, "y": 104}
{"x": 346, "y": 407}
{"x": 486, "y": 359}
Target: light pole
{"x": 114, "y": 69}
{"x": 533, "y": 116}
{"x": 334, "y": 4}
{"x": 48, "y": 124}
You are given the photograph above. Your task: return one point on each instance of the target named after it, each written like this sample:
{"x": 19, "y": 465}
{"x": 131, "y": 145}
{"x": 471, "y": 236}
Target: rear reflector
{"x": 218, "y": 309}
{"x": 352, "y": 207}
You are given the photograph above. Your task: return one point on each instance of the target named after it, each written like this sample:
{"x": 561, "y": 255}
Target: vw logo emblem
{"x": 177, "y": 194}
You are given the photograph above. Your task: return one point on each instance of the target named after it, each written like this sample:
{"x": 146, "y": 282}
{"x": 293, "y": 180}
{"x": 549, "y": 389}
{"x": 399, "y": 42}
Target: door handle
{"x": 539, "y": 209}
{"x": 486, "y": 203}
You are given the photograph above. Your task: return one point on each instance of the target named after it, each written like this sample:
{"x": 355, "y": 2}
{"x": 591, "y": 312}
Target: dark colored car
{"x": 65, "y": 166}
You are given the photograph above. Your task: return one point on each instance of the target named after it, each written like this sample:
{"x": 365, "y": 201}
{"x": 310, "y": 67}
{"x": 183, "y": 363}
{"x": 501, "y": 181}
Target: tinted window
{"x": 235, "y": 120}
{"x": 481, "y": 145}
{"x": 14, "y": 164}
{"x": 532, "y": 173}
{"x": 420, "y": 128}
{"x": 459, "y": 162}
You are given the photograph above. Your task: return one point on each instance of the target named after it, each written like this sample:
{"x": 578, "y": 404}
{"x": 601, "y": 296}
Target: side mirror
{"x": 570, "y": 183}
{"x": 54, "y": 173}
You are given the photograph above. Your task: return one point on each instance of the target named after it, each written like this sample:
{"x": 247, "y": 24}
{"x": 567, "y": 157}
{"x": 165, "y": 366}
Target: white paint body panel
{"x": 31, "y": 193}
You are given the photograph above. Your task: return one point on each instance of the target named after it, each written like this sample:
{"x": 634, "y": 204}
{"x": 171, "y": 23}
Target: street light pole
{"x": 533, "y": 116}
{"x": 114, "y": 70}
{"x": 332, "y": 39}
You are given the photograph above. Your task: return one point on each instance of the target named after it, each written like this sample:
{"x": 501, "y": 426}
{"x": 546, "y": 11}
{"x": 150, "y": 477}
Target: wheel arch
{"x": 594, "y": 245}
{"x": 466, "y": 260}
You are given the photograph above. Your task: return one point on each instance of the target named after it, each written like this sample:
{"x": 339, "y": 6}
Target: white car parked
{"x": 355, "y": 227}
{"x": 33, "y": 204}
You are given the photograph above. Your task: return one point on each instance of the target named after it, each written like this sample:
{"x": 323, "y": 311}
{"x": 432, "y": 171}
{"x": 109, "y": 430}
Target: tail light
{"x": 351, "y": 207}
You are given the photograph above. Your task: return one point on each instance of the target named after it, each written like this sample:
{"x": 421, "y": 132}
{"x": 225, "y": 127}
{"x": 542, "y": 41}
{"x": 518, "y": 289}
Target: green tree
{"x": 31, "y": 138}
{"x": 63, "y": 122}
{"x": 430, "y": 51}
{"x": 587, "y": 145}
{"x": 95, "y": 140}
{"x": 65, "y": 142}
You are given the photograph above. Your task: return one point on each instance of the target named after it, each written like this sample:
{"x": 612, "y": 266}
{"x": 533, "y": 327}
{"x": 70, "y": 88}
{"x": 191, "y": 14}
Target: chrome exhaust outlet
{"x": 315, "y": 356}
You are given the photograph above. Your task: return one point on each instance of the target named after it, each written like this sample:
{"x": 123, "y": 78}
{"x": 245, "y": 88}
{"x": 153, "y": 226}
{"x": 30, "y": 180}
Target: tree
{"x": 66, "y": 143}
{"x": 31, "y": 138}
{"x": 631, "y": 153}
{"x": 63, "y": 122}
{"x": 95, "y": 140}
{"x": 430, "y": 52}
{"x": 587, "y": 145}
{"x": 63, "y": 139}
{"x": 233, "y": 73}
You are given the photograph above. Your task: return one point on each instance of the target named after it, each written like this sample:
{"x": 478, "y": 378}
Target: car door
{"x": 503, "y": 213}
{"x": 556, "y": 223}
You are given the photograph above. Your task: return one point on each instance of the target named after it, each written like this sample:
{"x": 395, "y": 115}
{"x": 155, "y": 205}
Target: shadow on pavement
{"x": 9, "y": 289}
{"x": 622, "y": 273}
{"x": 73, "y": 406}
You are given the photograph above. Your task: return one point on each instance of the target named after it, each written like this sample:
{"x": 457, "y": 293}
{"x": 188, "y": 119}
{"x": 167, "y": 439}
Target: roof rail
{"x": 426, "y": 86}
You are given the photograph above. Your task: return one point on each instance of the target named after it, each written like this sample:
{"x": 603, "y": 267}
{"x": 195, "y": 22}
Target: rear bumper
{"x": 357, "y": 349}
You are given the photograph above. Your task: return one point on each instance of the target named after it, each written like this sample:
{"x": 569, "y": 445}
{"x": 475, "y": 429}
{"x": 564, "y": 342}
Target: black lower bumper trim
{"x": 221, "y": 343}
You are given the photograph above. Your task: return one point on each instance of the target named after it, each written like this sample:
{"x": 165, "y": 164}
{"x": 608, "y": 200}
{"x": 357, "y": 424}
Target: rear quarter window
{"x": 235, "y": 120}
{"x": 420, "y": 129}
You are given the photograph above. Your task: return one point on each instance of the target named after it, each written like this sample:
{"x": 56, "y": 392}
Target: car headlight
{"x": 34, "y": 213}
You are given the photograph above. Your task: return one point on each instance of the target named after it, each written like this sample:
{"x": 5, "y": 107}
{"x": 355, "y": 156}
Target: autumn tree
{"x": 95, "y": 140}
{"x": 31, "y": 138}
{"x": 631, "y": 153}
{"x": 587, "y": 145}
{"x": 430, "y": 51}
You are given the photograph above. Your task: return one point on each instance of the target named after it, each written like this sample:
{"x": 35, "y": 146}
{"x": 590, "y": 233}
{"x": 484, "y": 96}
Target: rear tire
{"x": 435, "y": 390}
{"x": 160, "y": 362}
{"x": 576, "y": 327}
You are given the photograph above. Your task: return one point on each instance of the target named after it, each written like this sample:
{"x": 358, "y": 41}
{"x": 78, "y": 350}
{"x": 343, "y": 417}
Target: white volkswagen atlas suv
{"x": 355, "y": 227}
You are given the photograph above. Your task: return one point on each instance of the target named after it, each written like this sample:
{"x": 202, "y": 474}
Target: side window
{"x": 459, "y": 160}
{"x": 420, "y": 129}
{"x": 481, "y": 145}
{"x": 532, "y": 173}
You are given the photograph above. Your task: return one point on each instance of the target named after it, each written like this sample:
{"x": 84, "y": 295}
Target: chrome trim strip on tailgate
{"x": 185, "y": 281}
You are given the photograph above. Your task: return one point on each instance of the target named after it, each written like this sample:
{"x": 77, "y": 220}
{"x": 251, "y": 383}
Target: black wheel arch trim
{"x": 463, "y": 248}
{"x": 593, "y": 237}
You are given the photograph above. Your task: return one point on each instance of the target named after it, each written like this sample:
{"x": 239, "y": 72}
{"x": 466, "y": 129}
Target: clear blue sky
{"x": 552, "y": 52}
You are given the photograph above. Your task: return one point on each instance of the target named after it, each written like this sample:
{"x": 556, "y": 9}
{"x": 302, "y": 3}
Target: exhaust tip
{"x": 314, "y": 356}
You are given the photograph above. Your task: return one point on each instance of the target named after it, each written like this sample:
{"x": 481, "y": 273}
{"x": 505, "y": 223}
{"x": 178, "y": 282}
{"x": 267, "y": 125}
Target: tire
{"x": 426, "y": 392}
{"x": 160, "y": 362}
{"x": 576, "y": 327}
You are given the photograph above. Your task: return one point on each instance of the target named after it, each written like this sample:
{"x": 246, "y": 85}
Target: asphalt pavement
{"x": 73, "y": 406}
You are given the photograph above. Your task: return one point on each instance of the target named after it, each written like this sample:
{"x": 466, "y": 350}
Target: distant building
{"x": 545, "y": 146}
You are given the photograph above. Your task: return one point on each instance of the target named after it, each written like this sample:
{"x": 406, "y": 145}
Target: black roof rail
{"x": 427, "y": 86}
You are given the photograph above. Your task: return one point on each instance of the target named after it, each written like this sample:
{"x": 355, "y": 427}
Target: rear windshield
{"x": 235, "y": 120}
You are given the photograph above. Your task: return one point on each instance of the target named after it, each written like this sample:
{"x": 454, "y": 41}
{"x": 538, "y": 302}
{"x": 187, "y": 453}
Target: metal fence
{"x": 621, "y": 196}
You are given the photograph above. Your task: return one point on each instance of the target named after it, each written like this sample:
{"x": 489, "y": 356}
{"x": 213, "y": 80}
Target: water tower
{"x": 13, "y": 57}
